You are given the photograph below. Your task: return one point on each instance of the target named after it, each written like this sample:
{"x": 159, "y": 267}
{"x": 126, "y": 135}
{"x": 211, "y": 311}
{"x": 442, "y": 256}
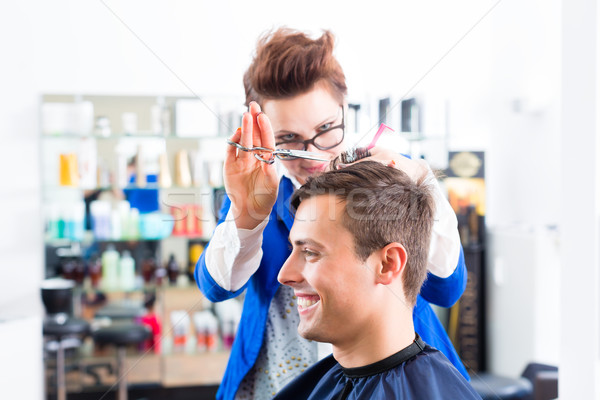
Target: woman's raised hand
{"x": 251, "y": 184}
{"x": 416, "y": 169}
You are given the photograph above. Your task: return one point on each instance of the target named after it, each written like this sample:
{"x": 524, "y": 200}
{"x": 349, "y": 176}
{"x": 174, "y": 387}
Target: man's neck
{"x": 375, "y": 343}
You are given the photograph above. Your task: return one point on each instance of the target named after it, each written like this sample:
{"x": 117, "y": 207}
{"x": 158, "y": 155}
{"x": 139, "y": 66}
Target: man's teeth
{"x": 304, "y": 302}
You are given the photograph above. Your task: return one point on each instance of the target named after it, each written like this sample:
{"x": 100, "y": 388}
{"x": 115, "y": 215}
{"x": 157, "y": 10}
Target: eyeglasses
{"x": 282, "y": 154}
{"x": 324, "y": 140}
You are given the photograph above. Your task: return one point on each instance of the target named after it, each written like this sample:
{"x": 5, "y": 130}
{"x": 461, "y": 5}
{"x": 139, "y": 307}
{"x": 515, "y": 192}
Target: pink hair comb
{"x": 358, "y": 153}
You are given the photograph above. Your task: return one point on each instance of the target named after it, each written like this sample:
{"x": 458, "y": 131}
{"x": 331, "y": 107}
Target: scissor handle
{"x": 268, "y": 161}
{"x": 252, "y": 149}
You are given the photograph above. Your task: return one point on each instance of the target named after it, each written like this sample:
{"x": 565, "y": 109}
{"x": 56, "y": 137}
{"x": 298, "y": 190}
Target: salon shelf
{"x": 132, "y": 136}
{"x": 419, "y": 137}
{"x": 87, "y": 241}
{"x": 131, "y": 187}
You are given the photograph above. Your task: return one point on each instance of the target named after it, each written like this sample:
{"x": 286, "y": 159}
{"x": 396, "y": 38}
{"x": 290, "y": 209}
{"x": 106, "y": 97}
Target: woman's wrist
{"x": 247, "y": 220}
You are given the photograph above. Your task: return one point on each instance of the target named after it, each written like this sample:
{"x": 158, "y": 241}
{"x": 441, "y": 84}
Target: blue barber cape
{"x": 416, "y": 372}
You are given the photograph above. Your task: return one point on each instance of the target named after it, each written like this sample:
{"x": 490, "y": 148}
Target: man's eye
{"x": 308, "y": 253}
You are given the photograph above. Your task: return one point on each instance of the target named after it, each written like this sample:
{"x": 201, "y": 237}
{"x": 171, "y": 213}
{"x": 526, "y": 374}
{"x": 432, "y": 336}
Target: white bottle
{"x": 127, "y": 271}
{"x": 110, "y": 268}
{"x": 115, "y": 225}
{"x": 155, "y": 116}
{"x": 124, "y": 209}
{"x": 121, "y": 175}
{"x": 134, "y": 224}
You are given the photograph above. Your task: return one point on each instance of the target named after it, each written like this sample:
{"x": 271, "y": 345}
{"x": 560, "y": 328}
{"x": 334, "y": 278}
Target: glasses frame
{"x": 312, "y": 140}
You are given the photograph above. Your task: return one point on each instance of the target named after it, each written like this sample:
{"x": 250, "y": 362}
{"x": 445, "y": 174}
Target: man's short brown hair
{"x": 288, "y": 63}
{"x": 382, "y": 205}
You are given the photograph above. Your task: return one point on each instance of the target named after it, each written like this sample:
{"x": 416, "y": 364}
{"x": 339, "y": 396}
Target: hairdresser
{"x": 295, "y": 93}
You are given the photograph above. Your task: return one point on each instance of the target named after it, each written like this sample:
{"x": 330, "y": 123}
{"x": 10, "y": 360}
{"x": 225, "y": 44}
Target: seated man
{"x": 360, "y": 241}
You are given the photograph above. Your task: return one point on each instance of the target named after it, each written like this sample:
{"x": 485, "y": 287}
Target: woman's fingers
{"x": 232, "y": 151}
{"x": 413, "y": 168}
{"x": 256, "y": 131}
{"x": 246, "y": 136}
{"x": 254, "y": 110}
{"x": 267, "y": 138}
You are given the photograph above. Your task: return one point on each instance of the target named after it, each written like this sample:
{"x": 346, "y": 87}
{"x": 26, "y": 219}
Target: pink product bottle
{"x": 228, "y": 332}
{"x": 211, "y": 334}
{"x": 229, "y": 313}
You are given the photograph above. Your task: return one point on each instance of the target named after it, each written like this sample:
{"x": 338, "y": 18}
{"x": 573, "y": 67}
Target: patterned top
{"x": 284, "y": 354}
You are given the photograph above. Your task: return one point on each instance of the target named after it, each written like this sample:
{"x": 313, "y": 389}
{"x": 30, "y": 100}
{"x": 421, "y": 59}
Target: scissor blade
{"x": 306, "y": 155}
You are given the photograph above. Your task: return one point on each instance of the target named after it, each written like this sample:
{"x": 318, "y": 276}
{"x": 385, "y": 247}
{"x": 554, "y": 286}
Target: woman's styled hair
{"x": 382, "y": 205}
{"x": 288, "y": 63}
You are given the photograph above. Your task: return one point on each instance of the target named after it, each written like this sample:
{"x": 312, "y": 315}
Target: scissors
{"x": 282, "y": 154}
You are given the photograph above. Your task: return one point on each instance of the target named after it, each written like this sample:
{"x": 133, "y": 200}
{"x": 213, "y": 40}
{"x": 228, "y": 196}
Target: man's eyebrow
{"x": 310, "y": 242}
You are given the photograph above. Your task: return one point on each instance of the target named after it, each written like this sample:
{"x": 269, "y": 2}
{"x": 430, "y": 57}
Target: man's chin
{"x": 310, "y": 334}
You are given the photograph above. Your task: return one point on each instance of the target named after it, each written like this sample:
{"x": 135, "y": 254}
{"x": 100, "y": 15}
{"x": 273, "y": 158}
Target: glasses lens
{"x": 329, "y": 139}
{"x": 290, "y": 145}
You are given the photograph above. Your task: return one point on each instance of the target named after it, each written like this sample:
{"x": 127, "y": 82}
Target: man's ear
{"x": 392, "y": 262}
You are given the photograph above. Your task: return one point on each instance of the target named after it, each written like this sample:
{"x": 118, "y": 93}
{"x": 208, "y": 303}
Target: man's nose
{"x": 288, "y": 274}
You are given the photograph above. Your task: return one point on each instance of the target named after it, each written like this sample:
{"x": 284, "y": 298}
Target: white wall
{"x": 523, "y": 184}
{"x": 522, "y": 283}
{"x": 579, "y": 374}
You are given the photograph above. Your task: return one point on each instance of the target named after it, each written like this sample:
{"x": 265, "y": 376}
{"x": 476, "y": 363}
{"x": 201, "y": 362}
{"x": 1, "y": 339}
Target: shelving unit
{"x": 68, "y": 128}
{"x": 79, "y": 128}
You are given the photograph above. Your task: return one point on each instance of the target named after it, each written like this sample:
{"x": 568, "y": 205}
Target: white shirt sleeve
{"x": 444, "y": 248}
{"x": 231, "y": 247}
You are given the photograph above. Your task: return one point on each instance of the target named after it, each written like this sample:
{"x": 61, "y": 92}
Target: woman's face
{"x": 302, "y": 118}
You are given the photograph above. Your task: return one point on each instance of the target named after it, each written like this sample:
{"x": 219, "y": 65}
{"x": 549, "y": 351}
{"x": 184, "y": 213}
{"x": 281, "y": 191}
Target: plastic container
{"x": 74, "y": 214}
{"x": 206, "y": 326}
{"x": 100, "y": 212}
{"x": 127, "y": 271}
{"x": 156, "y": 226}
{"x": 180, "y": 322}
{"x": 110, "y": 268}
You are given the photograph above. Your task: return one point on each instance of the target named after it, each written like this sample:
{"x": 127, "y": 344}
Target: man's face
{"x": 331, "y": 284}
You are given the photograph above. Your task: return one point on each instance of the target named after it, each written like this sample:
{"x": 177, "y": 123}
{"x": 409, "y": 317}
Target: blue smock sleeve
{"x": 444, "y": 292}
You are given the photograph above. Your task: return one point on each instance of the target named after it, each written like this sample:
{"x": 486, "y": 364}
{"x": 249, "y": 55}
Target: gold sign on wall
{"x": 465, "y": 164}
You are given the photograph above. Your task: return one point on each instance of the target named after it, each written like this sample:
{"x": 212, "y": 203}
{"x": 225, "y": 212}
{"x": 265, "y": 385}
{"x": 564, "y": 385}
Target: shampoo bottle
{"x": 110, "y": 268}
{"x": 127, "y": 271}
